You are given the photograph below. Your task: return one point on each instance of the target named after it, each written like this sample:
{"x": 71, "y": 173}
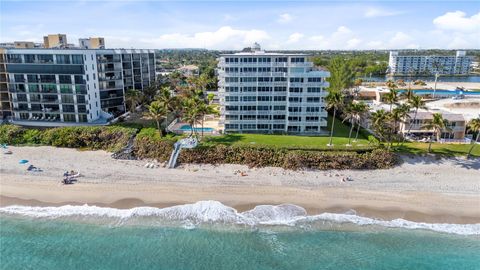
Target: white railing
{"x": 170, "y": 126}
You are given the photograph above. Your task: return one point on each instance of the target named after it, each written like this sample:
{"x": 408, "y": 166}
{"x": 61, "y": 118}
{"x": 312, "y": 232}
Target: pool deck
{"x": 177, "y": 128}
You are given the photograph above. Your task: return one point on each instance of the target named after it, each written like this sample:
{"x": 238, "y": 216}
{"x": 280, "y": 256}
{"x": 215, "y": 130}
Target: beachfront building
{"x": 456, "y": 126}
{"x": 5, "y": 108}
{"x": 55, "y": 41}
{"x": 91, "y": 43}
{"x": 405, "y": 64}
{"x": 264, "y": 92}
{"x": 52, "y": 87}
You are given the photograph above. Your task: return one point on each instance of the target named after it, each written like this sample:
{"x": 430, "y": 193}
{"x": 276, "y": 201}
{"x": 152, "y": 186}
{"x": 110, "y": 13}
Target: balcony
{"x": 111, "y": 78}
{"x": 108, "y": 60}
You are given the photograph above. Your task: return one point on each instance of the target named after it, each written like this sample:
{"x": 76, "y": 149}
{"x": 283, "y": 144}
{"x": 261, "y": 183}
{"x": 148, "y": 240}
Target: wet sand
{"x": 421, "y": 189}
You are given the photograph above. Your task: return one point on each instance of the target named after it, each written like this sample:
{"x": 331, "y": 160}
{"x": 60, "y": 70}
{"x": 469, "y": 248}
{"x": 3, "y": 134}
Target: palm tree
{"x": 415, "y": 102}
{"x": 190, "y": 112}
{"x": 399, "y": 115}
{"x": 350, "y": 115}
{"x": 361, "y": 109}
{"x": 157, "y": 111}
{"x": 133, "y": 98}
{"x": 438, "y": 124}
{"x": 166, "y": 97}
{"x": 206, "y": 108}
{"x": 408, "y": 94}
{"x": 474, "y": 126}
{"x": 334, "y": 101}
{"x": 379, "y": 122}
{"x": 391, "y": 97}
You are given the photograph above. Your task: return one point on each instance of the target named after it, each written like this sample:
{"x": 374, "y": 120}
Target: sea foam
{"x": 216, "y": 212}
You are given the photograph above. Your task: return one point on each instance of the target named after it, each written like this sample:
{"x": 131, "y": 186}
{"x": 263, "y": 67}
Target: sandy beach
{"x": 420, "y": 189}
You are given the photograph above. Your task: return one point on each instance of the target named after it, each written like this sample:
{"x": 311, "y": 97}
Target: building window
{"x": 314, "y": 79}
{"x": 63, "y": 58}
{"x": 295, "y": 90}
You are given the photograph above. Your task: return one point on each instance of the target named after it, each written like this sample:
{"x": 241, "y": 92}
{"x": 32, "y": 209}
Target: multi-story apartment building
{"x": 91, "y": 43}
{"x": 50, "y": 87}
{"x": 55, "y": 41}
{"x": 271, "y": 93}
{"x": 400, "y": 64}
{"x": 5, "y": 108}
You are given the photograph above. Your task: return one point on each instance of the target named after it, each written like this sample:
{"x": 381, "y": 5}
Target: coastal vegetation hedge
{"x": 109, "y": 138}
{"x": 160, "y": 149}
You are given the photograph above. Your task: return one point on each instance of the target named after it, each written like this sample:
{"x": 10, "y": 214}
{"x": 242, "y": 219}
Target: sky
{"x": 227, "y": 25}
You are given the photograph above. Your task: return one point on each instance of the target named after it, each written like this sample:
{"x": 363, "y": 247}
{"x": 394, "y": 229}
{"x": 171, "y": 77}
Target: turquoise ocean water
{"x": 212, "y": 236}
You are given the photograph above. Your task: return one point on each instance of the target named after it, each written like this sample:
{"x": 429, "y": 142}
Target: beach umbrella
{"x": 23, "y": 161}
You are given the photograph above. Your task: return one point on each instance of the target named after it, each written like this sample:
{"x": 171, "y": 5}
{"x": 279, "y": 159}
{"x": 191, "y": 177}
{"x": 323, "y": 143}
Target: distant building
{"x": 91, "y": 43}
{"x": 55, "y": 41}
{"x": 456, "y": 124}
{"x": 52, "y": 87}
{"x": 189, "y": 70}
{"x": 400, "y": 64}
{"x": 264, "y": 92}
{"x": 24, "y": 45}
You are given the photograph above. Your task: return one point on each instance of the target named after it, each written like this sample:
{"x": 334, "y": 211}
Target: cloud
{"x": 353, "y": 43}
{"x": 374, "y": 12}
{"x": 458, "y": 43}
{"x": 295, "y": 37}
{"x": 458, "y": 21}
{"x": 225, "y": 37}
{"x": 284, "y": 18}
{"x": 375, "y": 44}
{"x": 401, "y": 40}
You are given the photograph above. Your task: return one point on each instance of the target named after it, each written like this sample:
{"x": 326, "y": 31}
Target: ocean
{"x": 210, "y": 235}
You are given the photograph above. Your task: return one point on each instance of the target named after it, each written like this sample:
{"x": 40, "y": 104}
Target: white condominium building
{"x": 271, "y": 93}
{"x": 53, "y": 87}
{"x": 413, "y": 64}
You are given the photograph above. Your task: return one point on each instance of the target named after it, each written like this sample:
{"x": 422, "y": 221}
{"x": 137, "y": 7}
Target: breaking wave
{"x": 215, "y": 212}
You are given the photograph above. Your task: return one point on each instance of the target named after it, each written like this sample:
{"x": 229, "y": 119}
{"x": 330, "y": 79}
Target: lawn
{"x": 438, "y": 148}
{"x": 340, "y": 139}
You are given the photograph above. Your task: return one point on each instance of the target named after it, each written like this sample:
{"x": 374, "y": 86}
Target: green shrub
{"x": 109, "y": 138}
{"x": 11, "y": 134}
{"x": 252, "y": 156}
{"x": 153, "y": 147}
{"x": 32, "y": 136}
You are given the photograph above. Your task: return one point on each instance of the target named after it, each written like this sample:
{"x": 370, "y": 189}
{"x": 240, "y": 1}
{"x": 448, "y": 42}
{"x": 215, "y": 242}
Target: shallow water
{"x": 198, "y": 237}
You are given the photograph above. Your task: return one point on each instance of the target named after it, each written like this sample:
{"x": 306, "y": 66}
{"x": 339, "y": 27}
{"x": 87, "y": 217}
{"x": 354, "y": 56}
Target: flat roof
{"x": 118, "y": 50}
{"x": 447, "y": 116}
{"x": 263, "y": 53}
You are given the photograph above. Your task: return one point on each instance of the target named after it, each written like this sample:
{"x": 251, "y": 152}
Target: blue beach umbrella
{"x": 23, "y": 161}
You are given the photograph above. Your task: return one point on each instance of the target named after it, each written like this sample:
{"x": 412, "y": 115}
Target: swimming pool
{"x": 443, "y": 92}
{"x": 188, "y": 128}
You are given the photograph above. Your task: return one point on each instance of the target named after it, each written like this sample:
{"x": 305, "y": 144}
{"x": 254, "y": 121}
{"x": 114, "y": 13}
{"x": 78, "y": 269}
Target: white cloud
{"x": 458, "y": 43}
{"x": 343, "y": 30}
{"x": 399, "y": 40}
{"x": 375, "y": 44}
{"x": 374, "y": 12}
{"x": 225, "y": 37}
{"x": 284, "y": 18}
{"x": 353, "y": 43}
{"x": 295, "y": 37}
{"x": 458, "y": 21}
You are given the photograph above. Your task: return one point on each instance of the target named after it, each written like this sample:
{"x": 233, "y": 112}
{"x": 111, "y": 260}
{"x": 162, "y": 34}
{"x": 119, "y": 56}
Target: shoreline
{"x": 419, "y": 190}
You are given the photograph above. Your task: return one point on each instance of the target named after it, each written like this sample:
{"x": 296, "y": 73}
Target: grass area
{"x": 340, "y": 139}
{"x": 438, "y": 148}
